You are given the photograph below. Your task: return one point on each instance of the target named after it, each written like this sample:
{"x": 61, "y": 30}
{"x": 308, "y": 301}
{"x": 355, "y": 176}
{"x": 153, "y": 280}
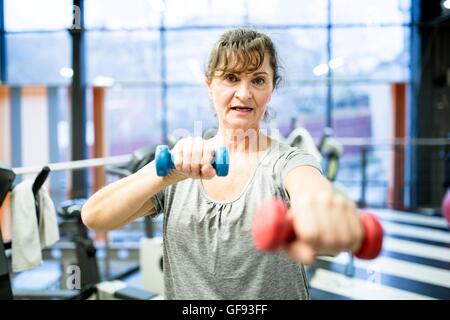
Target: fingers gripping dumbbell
{"x": 272, "y": 229}
{"x": 164, "y": 161}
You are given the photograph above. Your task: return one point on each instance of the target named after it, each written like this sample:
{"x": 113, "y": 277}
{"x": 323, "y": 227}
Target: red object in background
{"x": 446, "y": 207}
{"x": 397, "y": 181}
{"x": 272, "y": 229}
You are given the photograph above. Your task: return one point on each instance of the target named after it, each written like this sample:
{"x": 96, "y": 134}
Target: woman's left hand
{"x": 325, "y": 224}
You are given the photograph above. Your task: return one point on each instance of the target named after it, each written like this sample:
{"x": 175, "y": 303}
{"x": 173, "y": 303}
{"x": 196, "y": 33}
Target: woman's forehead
{"x": 249, "y": 63}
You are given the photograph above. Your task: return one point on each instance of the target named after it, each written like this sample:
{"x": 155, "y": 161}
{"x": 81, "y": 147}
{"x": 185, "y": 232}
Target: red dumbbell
{"x": 272, "y": 229}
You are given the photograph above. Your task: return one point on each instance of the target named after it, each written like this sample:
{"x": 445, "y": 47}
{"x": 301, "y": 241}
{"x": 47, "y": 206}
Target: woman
{"x": 208, "y": 250}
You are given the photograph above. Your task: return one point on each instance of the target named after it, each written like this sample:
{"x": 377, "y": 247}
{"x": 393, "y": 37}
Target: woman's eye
{"x": 259, "y": 81}
{"x": 230, "y": 77}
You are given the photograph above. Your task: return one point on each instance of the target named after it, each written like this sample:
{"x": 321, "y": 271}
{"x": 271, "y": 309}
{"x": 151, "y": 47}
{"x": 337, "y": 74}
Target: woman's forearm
{"x": 118, "y": 202}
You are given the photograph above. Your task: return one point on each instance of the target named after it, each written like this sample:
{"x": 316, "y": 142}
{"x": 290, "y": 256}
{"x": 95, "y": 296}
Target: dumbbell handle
{"x": 164, "y": 161}
{"x": 272, "y": 229}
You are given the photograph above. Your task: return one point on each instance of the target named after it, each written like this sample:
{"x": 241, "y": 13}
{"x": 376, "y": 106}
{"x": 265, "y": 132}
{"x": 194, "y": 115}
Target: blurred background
{"x": 99, "y": 79}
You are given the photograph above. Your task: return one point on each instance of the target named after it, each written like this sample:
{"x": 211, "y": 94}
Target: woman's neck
{"x": 243, "y": 142}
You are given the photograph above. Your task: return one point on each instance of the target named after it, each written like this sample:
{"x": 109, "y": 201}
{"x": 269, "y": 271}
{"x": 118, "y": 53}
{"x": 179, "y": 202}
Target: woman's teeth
{"x": 242, "y": 109}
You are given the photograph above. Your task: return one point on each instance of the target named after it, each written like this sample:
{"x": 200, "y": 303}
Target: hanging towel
{"x": 28, "y": 239}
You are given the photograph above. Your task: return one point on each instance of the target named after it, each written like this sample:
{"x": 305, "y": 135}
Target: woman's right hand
{"x": 192, "y": 157}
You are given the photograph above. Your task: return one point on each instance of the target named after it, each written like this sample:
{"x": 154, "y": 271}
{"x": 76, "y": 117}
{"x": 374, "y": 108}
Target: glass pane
{"x": 299, "y": 50}
{"x": 189, "y": 111}
{"x": 22, "y": 15}
{"x": 123, "y": 56}
{"x": 64, "y": 108}
{"x": 204, "y": 12}
{"x": 364, "y": 111}
{"x": 299, "y": 106}
{"x": 38, "y": 58}
{"x": 371, "y": 12}
{"x": 133, "y": 118}
{"x": 381, "y": 53}
{"x": 187, "y": 54}
{"x": 287, "y": 12}
{"x": 60, "y": 181}
{"x": 119, "y": 14}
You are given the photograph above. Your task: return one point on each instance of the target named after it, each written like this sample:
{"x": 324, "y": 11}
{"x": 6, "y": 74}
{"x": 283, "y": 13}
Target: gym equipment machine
{"x": 6, "y": 181}
{"x": 6, "y": 184}
{"x": 301, "y": 138}
{"x": 331, "y": 151}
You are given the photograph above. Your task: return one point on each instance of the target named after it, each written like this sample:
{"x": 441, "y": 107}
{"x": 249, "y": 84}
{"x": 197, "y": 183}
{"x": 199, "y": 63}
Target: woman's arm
{"x": 129, "y": 198}
{"x": 306, "y": 179}
{"x": 124, "y": 200}
{"x": 325, "y": 221}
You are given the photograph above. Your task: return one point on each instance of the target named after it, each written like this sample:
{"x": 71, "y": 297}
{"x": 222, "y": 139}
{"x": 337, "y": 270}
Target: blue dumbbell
{"x": 164, "y": 161}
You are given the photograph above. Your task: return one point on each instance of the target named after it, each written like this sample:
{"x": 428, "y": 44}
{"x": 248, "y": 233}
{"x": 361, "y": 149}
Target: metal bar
{"x": 362, "y": 201}
{"x": 74, "y": 165}
{"x": 215, "y": 27}
{"x": 89, "y": 163}
{"x": 392, "y": 142}
{"x": 113, "y": 253}
{"x": 162, "y": 43}
{"x": 125, "y": 274}
{"x": 413, "y": 105}
{"x": 78, "y": 110}
{"x": 329, "y": 110}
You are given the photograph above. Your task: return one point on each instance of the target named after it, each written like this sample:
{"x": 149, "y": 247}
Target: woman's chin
{"x": 240, "y": 124}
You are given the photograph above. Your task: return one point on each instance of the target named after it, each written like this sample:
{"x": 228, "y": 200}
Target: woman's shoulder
{"x": 276, "y": 142}
{"x": 275, "y": 153}
{"x": 281, "y": 154}
{"x": 279, "y": 148}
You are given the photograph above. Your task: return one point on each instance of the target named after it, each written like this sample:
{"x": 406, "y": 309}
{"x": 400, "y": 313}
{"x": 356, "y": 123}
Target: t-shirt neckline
{"x": 247, "y": 185}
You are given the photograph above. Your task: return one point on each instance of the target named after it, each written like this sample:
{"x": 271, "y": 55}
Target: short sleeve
{"x": 289, "y": 160}
{"x": 295, "y": 157}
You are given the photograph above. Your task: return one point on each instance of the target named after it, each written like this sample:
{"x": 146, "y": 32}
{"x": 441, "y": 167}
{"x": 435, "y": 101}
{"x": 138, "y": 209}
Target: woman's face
{"x": 240, "y": 100}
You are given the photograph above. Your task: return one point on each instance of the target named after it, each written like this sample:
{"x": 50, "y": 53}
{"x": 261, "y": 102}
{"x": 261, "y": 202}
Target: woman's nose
{"x": 243, "y": 91}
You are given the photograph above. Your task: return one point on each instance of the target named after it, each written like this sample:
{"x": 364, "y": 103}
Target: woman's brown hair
{"x": 242, "y": 50}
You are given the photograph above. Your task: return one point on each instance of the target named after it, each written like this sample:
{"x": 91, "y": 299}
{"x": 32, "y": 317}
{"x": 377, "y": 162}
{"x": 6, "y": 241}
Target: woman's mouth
{"x": 242, "y": 110}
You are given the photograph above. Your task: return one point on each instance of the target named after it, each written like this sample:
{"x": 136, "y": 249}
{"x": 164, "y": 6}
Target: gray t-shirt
{"x": 208, "y": 248}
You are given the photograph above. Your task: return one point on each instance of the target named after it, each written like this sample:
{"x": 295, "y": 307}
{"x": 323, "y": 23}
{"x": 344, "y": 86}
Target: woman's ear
{"x": 208, "y": 85}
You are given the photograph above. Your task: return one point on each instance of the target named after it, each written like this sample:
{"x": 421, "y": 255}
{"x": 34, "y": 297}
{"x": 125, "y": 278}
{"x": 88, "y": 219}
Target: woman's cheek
{"x": 265, "y": 99}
